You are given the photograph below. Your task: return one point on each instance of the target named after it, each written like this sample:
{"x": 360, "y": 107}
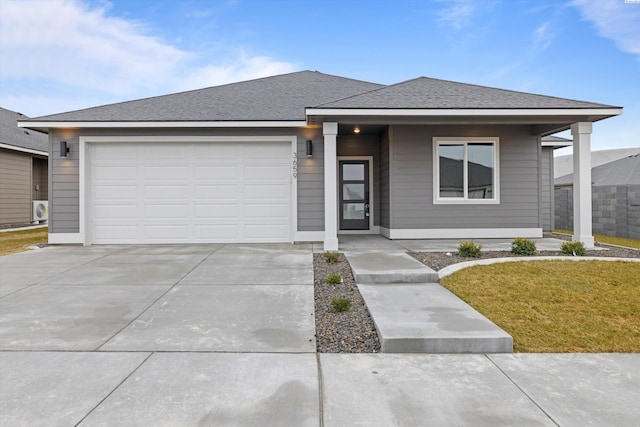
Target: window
{"x": 465, "y": 170}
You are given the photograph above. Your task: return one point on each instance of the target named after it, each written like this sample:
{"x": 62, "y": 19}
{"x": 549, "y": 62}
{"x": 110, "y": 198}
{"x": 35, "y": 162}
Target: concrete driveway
{"x": 223, "y": 335}
{"x": 159, "y": 298}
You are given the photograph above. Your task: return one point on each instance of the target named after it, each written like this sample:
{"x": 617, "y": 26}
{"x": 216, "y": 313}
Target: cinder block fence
{"x": 615, "y": 209}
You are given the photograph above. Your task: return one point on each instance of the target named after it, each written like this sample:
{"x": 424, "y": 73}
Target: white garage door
{"x": 189, "y": 192}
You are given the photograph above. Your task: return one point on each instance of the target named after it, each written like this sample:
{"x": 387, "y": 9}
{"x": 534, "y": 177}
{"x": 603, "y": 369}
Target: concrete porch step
{"x": 389, "y": 267}
{"x": 427, "y": 318}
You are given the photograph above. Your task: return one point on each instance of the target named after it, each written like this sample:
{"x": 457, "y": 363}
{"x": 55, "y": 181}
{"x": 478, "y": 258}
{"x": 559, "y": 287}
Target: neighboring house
{"x": 615, "y": 198}
{"x": 563, "y": 165}
{"x": 23, "y": 169}
{"x": 308, "y": 156}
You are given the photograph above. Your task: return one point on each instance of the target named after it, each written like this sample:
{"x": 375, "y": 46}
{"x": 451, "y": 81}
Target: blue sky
{"x": 61, "y": 55}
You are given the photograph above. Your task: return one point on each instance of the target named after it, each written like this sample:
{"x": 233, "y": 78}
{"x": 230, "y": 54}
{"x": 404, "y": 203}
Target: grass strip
{"x": 19, "y": 241}
{"x": 609, "y": 240}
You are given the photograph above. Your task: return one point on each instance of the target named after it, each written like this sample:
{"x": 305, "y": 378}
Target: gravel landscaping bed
{"x": 351, "y": 331}
{"x": 439, "y": 260}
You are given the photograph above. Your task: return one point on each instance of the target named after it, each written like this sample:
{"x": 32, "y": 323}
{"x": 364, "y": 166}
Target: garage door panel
{"x": 220, "y": 153}
{"x": 219, "y": 172}
{"x": 275, "y": 172}
{"x": 217, "y": 211}
{"x": 273, "y": 211}
{"x": 115, "y": 212}
{"x": 265, "y": 232}
{"x": 116, "y": 233}
{"x": 191, "y": 192}
{"x": 115, "y": 192}
{"x": 114, "y": 173}
{"x": 166, "y": 232}
{"x": 217, "y": 191}
{"x": 260, "y": 191}
{"x": 166, "y": 172}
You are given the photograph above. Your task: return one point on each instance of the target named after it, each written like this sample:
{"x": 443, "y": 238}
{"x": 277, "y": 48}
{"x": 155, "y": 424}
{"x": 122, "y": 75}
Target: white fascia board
{"x": 24, "y": 150}
{"x": 201, "y": 124}
{"x": 465, "y": 112}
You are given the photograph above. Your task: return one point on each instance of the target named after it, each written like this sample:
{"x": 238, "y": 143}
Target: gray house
{"x": 23, "y": 171}
{"x": 308, "y": 156}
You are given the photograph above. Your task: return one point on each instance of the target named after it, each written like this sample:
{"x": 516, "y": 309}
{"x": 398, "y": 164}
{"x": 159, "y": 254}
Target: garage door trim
{"x": 86, "y": 143}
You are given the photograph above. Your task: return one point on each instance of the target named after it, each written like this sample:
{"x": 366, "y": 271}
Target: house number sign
{"x": 294, "y": 165}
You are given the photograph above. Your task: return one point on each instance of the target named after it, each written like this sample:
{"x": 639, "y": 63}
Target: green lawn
{"x": 557, "y": 306}
{"x": 610, "y": 240}
{"x": 18, "y": 241}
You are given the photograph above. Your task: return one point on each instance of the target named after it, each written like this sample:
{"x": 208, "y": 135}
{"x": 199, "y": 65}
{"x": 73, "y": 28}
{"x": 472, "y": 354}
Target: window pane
{"x": 353, "y": 211}
{"x": 451, "y": 158}
{"x": 352, "y": 191}
{"x": 353, "y": 172}
{"x": 480, "y": 174}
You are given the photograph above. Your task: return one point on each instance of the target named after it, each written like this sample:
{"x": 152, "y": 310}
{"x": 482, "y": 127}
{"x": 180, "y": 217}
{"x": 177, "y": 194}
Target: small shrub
{"x": 331, "y": 257}
{"x": 340, "y": 304}
{"x": 468, "y": 249}
{"x": 523, "y": 246}
{"x": 573, "y": 248}
{"x": 333, "y": 279}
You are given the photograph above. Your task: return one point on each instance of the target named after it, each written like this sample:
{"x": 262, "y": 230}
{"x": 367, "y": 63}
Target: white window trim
{"x": 437, "y": 200}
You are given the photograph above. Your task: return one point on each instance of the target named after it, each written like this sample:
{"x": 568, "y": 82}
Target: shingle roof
{"x": 427, "y": 93}
{"x": 625, "y": 171}
{"x": 285, "y": 98}
{"x": 282, "y": 97}
{"x": 11, "y": 134}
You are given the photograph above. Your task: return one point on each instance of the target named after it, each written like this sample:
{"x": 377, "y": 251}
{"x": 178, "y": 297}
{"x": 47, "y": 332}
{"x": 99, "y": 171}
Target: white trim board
{"x": 461, "y": 233}
{"x": 167, "y": 124}
{"x": 23, "y": 150}
{"x": 463, "y": 112}
{"x": 86, "y": 141}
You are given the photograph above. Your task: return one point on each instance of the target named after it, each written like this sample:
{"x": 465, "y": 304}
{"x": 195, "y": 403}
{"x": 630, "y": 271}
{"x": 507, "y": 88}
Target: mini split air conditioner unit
{"x": 40, "y": 210}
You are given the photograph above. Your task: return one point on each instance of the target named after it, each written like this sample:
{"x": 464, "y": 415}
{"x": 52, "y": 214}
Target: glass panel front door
{"x": 354, "y": 194}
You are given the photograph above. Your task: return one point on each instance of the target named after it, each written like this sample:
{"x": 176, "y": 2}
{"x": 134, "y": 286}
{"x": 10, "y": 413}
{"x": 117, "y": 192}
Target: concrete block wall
{"x": 615, "y": 209}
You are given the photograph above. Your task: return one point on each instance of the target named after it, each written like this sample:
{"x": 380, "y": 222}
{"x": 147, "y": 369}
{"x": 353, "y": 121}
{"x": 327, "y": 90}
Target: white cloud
{"x": 457, "y": 13}
{"x": 542, "y": 37}
{"x": 70, "y": 47}
{"x": 615, "y": 20}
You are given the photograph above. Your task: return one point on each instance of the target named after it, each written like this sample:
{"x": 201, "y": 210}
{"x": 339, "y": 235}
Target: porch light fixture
{"x": 309, "y": 148}
{"x": 64, "y": 149}
{"x": 356, "y": 129}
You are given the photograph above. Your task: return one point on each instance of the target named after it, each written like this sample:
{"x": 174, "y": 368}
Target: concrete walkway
{"x": 224, "y": 335}
{"x": 414, "y": 314}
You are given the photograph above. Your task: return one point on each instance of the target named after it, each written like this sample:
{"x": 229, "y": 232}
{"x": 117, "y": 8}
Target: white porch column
{"x": 582, "y": 217}
{"x": 330, "y": 130}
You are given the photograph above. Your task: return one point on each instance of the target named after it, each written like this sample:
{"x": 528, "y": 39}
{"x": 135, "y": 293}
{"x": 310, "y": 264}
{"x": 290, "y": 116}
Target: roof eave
{"x": 23, "y": 149}
{"x": 40, "y": 125}
{"x": 465, "y": 112}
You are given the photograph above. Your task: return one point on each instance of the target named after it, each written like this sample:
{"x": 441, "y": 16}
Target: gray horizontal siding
{"x": 547, "y": 189}
{"x": 411, "y": 181}
{"x": 64, "y": 172}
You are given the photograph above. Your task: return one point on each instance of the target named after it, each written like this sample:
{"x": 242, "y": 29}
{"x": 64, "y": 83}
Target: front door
{"x": 354, "y": 194}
